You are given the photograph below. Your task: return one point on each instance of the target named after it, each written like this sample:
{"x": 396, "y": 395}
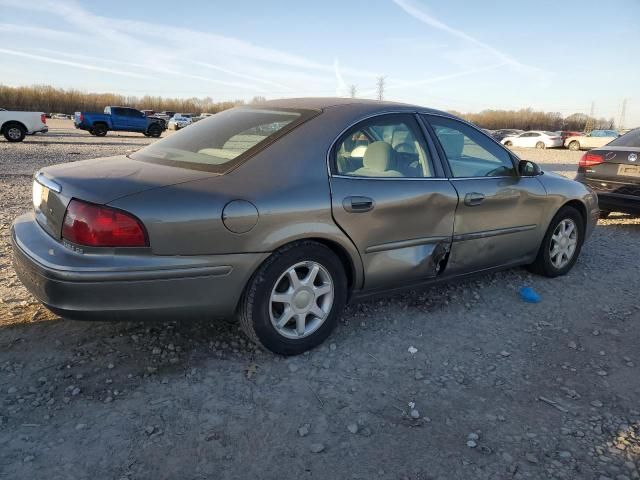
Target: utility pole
{"x": 380, "y": 88}
{"x": 623, "y": 113}
{"x": 352, "y": 91}
{"x": 590, "y": 120}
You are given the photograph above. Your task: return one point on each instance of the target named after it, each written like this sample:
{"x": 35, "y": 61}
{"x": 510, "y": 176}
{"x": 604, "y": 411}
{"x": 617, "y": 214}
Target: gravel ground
{"x": 458, "y": 381}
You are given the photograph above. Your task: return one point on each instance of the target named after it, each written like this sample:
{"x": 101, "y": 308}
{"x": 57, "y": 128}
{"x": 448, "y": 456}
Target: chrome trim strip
{"x": 492, "y": 233}
{"x": 354, "y": 177}
{"x": 405, "y": 244}
{"x": 45, "y": 182}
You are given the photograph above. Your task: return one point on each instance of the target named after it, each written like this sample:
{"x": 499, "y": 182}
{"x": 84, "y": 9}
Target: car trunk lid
{"x": 620, "y": 163}
{"x": 99, "y": 181}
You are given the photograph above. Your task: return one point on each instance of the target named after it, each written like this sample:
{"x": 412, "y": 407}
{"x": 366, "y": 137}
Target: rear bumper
{"x": 126, "y": 287}
{"x": 43, "y": 129}
{"x": 614, "y": 196}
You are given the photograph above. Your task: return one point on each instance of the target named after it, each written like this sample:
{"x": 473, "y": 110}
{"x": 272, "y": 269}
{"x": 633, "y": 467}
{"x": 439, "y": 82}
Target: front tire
{"x": 293, "y": 301}
{"x": 561, "y": 244}
{"x": 540, "y": 146}
{"x": 154, "y": 130}
{"x": 574, "y": 146}
{"x": 14, "y": 132}
{"x": 508, "y": 144}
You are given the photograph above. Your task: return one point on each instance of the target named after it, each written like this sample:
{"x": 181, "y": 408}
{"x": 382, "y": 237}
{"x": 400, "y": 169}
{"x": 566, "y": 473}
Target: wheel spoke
{"x": 294, "y": 280}
{"x": 317, "y": 311}
{"x": 301, "y": 321}
{"x": 284, "y": 318}
{"x": 322, "y": 290}
{"x": 282, "y": 297}
{"x": 569, "y": 229}
{"x": 311, "y": 276}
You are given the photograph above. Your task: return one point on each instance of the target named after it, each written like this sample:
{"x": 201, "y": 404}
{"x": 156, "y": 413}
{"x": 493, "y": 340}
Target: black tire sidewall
{"x": 544, "y": 257}
{"x": 100, "y": 130}
{"x": 264, "y": 281}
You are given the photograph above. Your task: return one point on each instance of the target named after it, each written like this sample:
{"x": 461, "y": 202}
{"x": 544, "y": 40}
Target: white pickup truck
{"x": 15, "y": 125}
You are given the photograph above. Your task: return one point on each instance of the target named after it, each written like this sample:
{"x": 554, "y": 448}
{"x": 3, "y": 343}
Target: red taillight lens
{"x": 589, "y": 159}
{"x": 100, "y": 226}
{"x": 81, "y": 118}
{"x": 43, "y": 118}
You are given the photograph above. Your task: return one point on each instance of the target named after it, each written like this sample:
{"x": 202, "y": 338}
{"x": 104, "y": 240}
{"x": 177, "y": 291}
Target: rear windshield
{"x": 629, "y": 139}
{"x": 223, "y": 140}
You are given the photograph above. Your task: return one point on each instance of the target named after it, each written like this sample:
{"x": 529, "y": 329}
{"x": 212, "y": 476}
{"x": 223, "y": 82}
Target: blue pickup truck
{"x": 119, "y": 119}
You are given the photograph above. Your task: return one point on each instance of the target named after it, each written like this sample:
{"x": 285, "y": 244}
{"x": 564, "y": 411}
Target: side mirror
{"x": 527, "y": 168}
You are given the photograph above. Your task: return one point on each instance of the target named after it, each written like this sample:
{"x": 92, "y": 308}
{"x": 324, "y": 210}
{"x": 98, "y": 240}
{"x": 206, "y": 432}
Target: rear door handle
{"x": 357, "y": 204}
{"x": 474, "y": 198}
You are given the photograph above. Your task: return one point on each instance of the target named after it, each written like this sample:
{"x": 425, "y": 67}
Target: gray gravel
{"x": 495, "y": 388}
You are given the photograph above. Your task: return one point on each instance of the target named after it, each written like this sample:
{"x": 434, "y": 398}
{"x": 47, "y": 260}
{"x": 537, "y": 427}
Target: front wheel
{"x": 154, "y": 130}
{"x": 574, "y": 146}
{"x": 293, "y": 301}
{"x": 540, "y": 146}
{"x": 561, "y": 244}
{"x": 509, "y": 144}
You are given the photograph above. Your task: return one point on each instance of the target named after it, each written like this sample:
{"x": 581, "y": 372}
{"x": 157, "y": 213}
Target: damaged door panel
{"x": 405, "y": 234}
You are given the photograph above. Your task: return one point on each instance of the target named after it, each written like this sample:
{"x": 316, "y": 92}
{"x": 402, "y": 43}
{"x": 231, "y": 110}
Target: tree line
{"x": 528, "y": 119}
{"x": 48, "y": 99}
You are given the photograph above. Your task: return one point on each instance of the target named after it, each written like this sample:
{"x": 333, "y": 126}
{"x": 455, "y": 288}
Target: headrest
{"x": 379, "y": 157}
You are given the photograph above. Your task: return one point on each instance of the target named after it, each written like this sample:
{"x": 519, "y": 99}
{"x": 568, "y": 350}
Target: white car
{"x": 178, "y": 121}
{"x": 533, "y": 138}
{"x": 15, "y": 125}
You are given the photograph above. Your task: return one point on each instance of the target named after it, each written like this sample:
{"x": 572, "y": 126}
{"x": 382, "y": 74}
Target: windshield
{"x": 221, "y": 141}
{"x": 629, "y": 139}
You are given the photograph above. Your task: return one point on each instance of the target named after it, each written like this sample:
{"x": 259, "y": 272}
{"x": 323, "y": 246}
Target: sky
{"x": 455, "y": 55}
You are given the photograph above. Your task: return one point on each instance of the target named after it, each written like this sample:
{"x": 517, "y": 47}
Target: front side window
{"x": 469, "y": 152}
{"x": 222, "y": 140}
{"x": 385, "y": 146}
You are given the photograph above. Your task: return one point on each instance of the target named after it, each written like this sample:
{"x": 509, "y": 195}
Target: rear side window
{"x": 469, "y": 152}
{"x": 384, "y": 146}
{"x": 223, "y": 140}
{"x": 629, "y": 139}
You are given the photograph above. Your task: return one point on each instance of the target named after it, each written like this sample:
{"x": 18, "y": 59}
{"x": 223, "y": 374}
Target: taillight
{"x": 43, "y": 118}
{"x": 81, "y": 118}
{"x": 99, "y": 226}
{"x": 589, "y": 159}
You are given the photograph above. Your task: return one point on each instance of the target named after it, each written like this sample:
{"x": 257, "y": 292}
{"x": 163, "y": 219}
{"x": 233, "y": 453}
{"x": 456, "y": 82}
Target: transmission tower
{"x": 623, "y": 113}
{"x": 590, "y": 120}
{"x": 353, "y": 91}
{"x": 380, "y": 88}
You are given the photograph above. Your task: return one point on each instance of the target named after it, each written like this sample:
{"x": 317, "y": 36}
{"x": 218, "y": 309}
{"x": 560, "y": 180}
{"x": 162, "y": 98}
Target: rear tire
{"x": 575, "y": 145}
{"x": 557, "y": 241}
{"x": 540, "y": 146}
{"x": 290, "y": 317}
{"x": 14, "y": 132}
{"x": 508, "y": 144}
{"x": 100, "y": 130}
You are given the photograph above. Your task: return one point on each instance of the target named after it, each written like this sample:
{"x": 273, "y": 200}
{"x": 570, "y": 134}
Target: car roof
{"x": 321, "y": 103}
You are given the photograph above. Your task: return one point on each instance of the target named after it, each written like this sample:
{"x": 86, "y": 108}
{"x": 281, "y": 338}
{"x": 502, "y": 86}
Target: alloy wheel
{"x": 563, "y": 243}
{"x": 14, "y": 133}
{"x": 301, "y": 300}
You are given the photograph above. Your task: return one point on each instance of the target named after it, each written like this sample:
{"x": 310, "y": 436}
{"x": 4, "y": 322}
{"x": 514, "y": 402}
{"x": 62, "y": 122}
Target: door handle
{"x": 474, "y": 198}
{"x": 357, "y": 204}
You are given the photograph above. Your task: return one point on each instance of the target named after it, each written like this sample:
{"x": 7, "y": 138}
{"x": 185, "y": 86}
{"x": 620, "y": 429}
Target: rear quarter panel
{"x": 287, "y": 182}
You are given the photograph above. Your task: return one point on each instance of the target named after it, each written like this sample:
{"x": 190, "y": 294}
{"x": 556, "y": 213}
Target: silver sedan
{"x": 280, "y": 213}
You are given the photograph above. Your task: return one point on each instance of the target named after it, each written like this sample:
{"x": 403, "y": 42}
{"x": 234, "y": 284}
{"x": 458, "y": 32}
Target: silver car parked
{"x": 282, "y": 212}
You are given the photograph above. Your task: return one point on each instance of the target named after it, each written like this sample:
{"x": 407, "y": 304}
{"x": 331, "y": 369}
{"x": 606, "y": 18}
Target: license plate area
{"x": 629, "y": 170}
{"x": 49, "y": 207}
